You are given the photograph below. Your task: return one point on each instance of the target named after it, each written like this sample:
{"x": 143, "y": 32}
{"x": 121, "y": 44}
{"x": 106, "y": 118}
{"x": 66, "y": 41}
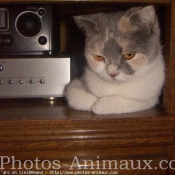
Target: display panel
{"x": 4, "y": 19}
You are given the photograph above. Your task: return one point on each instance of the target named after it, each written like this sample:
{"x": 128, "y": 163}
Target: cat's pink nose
{"x": 113, "y": 75}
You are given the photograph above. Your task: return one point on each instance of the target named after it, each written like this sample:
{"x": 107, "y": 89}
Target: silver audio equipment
{"x": 33, "y": 77}
{"x": 29, "y": 29}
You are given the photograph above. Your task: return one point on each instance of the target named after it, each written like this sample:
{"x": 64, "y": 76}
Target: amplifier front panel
{"x": 34, "y": 77}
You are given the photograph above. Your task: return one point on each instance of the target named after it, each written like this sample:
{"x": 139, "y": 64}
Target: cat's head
{"x": 121, "y": 45}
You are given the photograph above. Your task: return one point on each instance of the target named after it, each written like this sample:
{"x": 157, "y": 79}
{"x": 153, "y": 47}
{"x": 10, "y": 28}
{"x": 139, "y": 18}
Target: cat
{"x": 125, "y": 71}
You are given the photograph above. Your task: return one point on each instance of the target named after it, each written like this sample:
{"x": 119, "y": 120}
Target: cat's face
{"x": 120, "y": 46}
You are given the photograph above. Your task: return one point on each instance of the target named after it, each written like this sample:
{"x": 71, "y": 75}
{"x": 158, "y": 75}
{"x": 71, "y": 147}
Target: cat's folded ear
{"x": 142, "y": 16}
{"x": 89, "y": 23}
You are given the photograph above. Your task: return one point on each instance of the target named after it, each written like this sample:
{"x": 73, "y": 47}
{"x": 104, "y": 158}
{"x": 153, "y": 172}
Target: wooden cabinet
{"x": 48, "y": 137}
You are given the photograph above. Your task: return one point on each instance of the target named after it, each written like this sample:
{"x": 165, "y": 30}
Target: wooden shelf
{"x": 42, "y": 109}
{"x": 50, "y": 130}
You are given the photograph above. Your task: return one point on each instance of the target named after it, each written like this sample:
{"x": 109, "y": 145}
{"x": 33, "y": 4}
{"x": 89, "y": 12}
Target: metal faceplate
{"x": 33, "y": 77}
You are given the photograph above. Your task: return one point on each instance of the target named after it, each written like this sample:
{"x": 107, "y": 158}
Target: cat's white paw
{"x": 102, "y": 106}
{"x": 118, "y": 105}
{"x": 82, "y": 102}
{"x": 78, "y": 98}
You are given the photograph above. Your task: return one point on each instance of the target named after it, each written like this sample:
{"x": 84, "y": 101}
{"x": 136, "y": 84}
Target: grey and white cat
{"x": 125, "y": 71}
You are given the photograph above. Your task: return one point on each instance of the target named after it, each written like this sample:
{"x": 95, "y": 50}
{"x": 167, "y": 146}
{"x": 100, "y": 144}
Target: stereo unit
{"x": 29, "y": 29}
{"x": 34, "y": 77}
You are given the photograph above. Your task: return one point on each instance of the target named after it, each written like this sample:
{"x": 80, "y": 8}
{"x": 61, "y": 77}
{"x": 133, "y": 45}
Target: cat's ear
{"x": 87, "y": 23}
{"x": 142, "y": 16}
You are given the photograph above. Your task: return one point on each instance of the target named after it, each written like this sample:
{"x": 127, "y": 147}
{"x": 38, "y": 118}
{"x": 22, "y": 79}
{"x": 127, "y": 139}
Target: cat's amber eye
{"x": 99, "y": 58}
{"x": 129, "y": 56}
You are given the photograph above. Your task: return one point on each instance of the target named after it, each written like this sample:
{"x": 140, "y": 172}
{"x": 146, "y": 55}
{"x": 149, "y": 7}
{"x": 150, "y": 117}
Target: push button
{"x": 31, "y": 81}
{"x": 42, "y": 81}
{"x": 21, "y": 81}
{"x": 1, "y": 68}
{"x": 10, "y": 81}
{"x": 42, "y": 40}
{"x": 6, "y": 40}
{"x": 41, "y": 12}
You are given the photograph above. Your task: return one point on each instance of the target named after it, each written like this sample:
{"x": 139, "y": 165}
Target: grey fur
{"x": 112, "y": 50}
{"x": 125, "y": 71}
{"x": 142, "y": 35}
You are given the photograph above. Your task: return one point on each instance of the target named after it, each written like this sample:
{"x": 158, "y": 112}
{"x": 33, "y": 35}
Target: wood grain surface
{"x": 50, "y": 130}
